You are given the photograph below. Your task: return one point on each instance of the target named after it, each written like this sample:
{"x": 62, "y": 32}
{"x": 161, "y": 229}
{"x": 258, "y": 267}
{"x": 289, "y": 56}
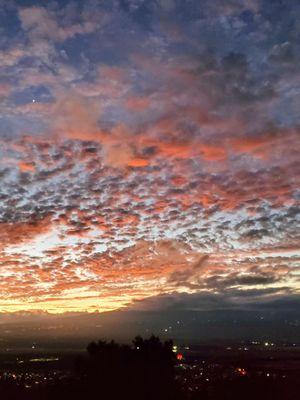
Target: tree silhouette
{"x": 144, "y": 370}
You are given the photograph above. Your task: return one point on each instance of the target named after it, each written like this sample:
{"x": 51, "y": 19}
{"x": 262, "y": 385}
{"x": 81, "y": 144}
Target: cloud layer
{"x": 148, "y": 148}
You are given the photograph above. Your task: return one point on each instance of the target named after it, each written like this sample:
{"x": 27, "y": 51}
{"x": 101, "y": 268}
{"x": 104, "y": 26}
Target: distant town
{"x": 201, "y": 370}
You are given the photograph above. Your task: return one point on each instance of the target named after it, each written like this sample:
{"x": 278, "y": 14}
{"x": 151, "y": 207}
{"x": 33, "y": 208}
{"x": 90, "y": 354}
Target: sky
{"x": 149, "y": 154}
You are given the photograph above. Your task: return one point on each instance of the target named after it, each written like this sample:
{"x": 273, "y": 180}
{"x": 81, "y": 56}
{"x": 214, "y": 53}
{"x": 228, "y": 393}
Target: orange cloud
{"x": 138, "y": 162}
{"x": 13, "y": 233}
{"x": 26, "y": 167}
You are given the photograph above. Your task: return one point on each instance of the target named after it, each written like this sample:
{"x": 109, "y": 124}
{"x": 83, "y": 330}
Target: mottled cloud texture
{"x": 148, "y": 149}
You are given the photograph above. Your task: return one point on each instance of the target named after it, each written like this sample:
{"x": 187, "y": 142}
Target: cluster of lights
{"x": 241, "y": 371}
{"x": 267, "y": 344}
{"x": 179, "y": 356}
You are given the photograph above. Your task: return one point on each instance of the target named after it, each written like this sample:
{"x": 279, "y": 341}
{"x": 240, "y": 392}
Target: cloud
{"x": 207, "y": 301}
{"x": 11, "y": 57}
{"x": 130, "y": 171}
{"x": 76, "y": 117}
{"x": 41, "y": 23}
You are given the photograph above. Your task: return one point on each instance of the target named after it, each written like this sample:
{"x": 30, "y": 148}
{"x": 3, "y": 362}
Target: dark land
{"x": 246, "y": 369}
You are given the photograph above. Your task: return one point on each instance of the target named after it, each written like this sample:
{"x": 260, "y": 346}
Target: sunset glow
{"x": 147, "y": 150}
